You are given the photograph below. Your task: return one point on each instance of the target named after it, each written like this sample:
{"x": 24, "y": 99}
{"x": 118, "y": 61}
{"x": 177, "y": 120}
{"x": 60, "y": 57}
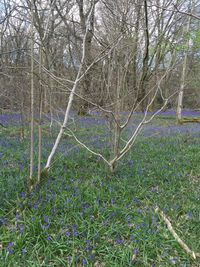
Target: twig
{"x": 175, "y": 235}
{"x": 86, "y": 147}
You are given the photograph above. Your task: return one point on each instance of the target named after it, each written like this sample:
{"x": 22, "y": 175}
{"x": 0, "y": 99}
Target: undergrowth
{"x": 84, "y": 216}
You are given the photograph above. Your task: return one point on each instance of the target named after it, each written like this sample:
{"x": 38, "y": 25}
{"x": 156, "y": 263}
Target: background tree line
{"x": 154, "y": 38}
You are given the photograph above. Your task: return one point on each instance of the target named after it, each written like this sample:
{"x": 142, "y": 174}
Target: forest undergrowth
{"x": 85, "y": 216}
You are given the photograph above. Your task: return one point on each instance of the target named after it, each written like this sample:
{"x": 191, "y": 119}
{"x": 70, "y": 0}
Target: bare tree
{"x": 79, "y": 76}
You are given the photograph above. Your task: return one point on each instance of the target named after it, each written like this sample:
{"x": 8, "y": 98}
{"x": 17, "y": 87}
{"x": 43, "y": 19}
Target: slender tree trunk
{"x": 87, "y": 80}
{"x": 117, "y": 130}
{"x": 143, "y": 81}
{"x": 71, "y": 96}
{"x": 22, "y": 134}
{"x": 40, "y": 117}
{"x": 32, "y": 100}
{"x": 184, "y": 69}
{"x": 135, "y": 48}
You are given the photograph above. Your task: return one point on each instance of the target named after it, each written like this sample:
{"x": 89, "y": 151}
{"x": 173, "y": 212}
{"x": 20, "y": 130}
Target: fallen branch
{"x": 175, "y": 235}
{"x": 189, "y": 120}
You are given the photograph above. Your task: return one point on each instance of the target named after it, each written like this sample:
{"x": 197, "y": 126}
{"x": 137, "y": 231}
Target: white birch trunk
{"x": 71, "y": 96}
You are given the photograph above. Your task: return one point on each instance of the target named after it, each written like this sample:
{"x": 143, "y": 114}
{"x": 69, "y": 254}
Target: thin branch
{"x": 87, "y": 148}
{"x": 177, "y": 10}
{"x": 175, "y": 235}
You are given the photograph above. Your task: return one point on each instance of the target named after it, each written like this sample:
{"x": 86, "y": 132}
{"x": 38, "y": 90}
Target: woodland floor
{"x": 85, "y": 216}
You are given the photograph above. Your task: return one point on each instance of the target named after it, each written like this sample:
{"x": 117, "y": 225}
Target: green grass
{"x": 85, "y": 216}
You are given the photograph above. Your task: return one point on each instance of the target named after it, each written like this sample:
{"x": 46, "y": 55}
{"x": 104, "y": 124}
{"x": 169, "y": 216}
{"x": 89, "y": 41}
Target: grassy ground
{"x": 84, "y": 216}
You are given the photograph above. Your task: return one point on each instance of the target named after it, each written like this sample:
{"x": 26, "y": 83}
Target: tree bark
{"x": 72, "y": 93}
{"x": 32, "y": 100}
{"x": 184, "y": 69}
{"x": 144, "y": 77}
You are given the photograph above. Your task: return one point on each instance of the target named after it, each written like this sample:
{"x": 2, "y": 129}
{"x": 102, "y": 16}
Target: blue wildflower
{"x": 74, "y": 226}
{"x": 46, "y": 219}
{"x": 75, "y": 233}
{"x": 10, "y": 247}
{"x": 17, "y": 216}
{"x": 130, "y": 161}
{"x": 190, "y": 214}
{"x": 84, "y": 262}
{"x": 10, "y": 251}
{"x": 49, "y": 238}
{"x": 24, "y": 251}
{"x": 22, "y": 194}
{"x": 45, "y": 226}
{"x": 173, "y": 260}
{"x": 10, "y": 244}
{"x": 21, "y": 229}
{"x": 119, "y": 241}
{"x": 91, "y": 257}
{"x": 67, "y": 233}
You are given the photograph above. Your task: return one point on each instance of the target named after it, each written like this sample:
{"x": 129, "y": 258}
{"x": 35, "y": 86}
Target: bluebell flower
{"x": 190, "y": 214}
{"x": 75, "y": 233}
{"x": 139, "y": 210}
{"x": 10, "y": 244}
{"x": 22, "y": 194}
{"x": 21, "y": 167}
{"x": 112, "y": 201}
{"x": 74, "y": 226}
{"x": 10, "y": 247}
{"x": 24, "y": 251}
{"x": 10, "y": 251}
{"x": 136, "y": 200}
{"x": 21, "y": 229}
{"x": 119, "y": 241}
{"x": 46, "y": 219}
{"x": 35, "y": 206}
{"x": 91, "y": 257}
{"x": 131, "y": 161}
{"x": 67, "y": 233}
{"x": 2, "y": 221}
{"x": 173, "y": 260}
{"x": 45, "y": 226}
{"x": 84, "y": 262}
{"x": 17, "y": 216}
{"x": 88, "y": 248}
{"x": 49, "y": 238}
